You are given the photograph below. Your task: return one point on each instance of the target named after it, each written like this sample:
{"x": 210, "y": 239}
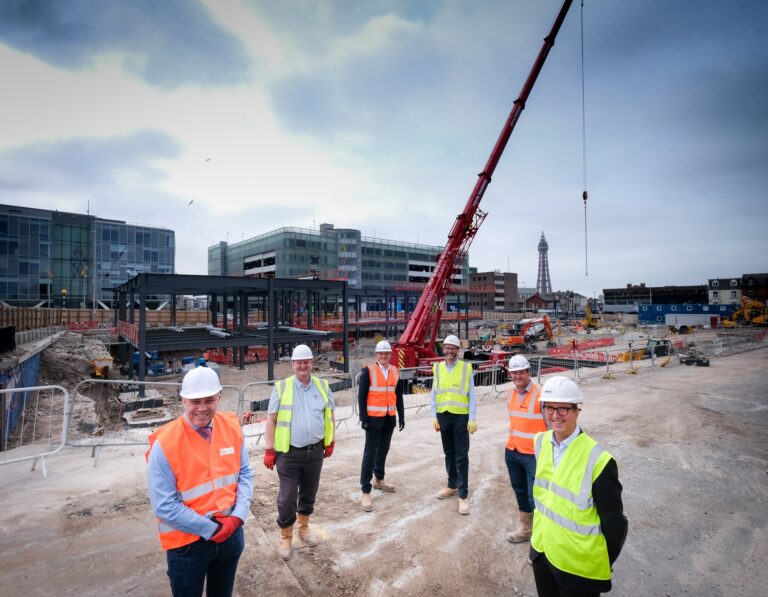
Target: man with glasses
{"x": 579, "y": 525}
{"x": 454, "y": 408}
{"x": 525, "y": 421}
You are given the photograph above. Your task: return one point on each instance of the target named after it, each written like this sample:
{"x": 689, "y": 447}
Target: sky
{"x": 225, "y": 119}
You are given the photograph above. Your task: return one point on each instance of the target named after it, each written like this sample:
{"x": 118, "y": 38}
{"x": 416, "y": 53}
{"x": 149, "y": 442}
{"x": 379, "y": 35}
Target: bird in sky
{"x": 207, "y": 159}
{"x": 191, "y": 202}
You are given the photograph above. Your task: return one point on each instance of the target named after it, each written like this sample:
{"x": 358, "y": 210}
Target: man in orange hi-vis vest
{"x": 200, "y": 484}
{"x": 380, "y": 398}
{"x": 525, "y": 421}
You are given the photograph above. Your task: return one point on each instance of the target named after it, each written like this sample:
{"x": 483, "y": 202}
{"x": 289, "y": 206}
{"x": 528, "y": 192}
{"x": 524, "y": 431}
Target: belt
{"x": 308, "y": 448}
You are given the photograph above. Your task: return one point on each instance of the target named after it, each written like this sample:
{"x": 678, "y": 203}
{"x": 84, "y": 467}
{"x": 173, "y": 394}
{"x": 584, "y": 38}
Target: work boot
{"x": 445, "y": 493}
{"x": 383, "y": 485}
{"x": 463, "y": 506}
{"x": 286, "y": 536}
{"x": 367, "y": 503}
{"x": 305, "y": 533}
{"x": 523, "y": 532}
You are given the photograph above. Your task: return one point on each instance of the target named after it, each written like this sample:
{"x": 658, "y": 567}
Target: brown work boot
{"x": 305, "y": 533}
{"x": 286, "y": 536}
{"x": 445, "y": 493}
{"x": 463, "y": 506}
{"x": 523, "y": 532}
{"x": 383, "y": 485}
{"x": 367, "y": 503}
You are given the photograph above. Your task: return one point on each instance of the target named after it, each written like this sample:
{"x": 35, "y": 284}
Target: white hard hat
{"x": 301, "y": 352}
{"x": 452, "y": 341}
{"x": 518, "y": 363}
{"x": 560, "y": 389}
{"x": 383, "y": 346}
{"x": 200, "y": 382}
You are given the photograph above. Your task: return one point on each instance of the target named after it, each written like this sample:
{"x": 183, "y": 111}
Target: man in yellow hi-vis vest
{"x": 579, "y": 525}
{"x": 298, "y": 435}
{"x": 454, "y": 407}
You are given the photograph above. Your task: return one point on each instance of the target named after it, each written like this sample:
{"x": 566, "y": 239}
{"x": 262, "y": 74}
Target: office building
{"x": 60, "y": 259}
{"x": 331, "y": 254}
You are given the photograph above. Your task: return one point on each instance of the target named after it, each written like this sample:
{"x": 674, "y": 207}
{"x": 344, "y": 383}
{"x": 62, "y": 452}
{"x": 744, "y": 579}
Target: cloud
{"x": 168, "y": 44}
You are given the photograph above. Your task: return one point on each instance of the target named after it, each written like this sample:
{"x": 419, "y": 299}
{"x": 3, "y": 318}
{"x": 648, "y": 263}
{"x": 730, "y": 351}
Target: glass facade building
{"x": 329, "y": 253}
{"x": 53, "y": 258}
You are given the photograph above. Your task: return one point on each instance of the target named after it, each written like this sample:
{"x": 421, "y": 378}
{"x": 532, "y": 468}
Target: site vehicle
{"x": 590, "y": 322}
{"x": 751, "y": 312}
{"x": 417, "y": 342}
{"x": 526, "y": 332}
{"x": 655, "y": 346}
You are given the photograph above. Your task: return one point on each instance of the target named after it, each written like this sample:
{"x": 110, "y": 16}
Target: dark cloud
{"x": 168, "y": 43}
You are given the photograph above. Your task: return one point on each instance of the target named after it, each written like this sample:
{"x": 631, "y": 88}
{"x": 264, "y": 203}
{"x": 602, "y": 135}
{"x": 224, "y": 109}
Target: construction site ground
{"x": 691, "y": 443}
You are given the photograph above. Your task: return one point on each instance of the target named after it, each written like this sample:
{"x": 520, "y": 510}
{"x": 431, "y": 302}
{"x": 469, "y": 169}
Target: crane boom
{"x": 418, "y": 339}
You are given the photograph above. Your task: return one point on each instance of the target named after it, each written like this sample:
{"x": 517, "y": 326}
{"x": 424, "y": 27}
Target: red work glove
{"x": 269, "y": 458}
{"x": 229, "y": 524}
{"x": 328, "y": 450}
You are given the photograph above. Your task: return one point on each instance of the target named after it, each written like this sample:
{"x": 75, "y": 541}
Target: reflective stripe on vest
{"x": 524, "y": 421}
{"x": 285, "y": 412}
{"x": 381, "y": 393}
{"x": 566, "y": 523}
{"x": 452, "y": 387}
{"x": 206, "y": 472}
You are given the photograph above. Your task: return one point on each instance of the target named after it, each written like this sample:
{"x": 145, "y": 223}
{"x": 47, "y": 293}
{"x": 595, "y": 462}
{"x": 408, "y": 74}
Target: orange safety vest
{"x": 381, "y": 393}
{"x": 206, "y": 472}
{"x": 525, "y": 419}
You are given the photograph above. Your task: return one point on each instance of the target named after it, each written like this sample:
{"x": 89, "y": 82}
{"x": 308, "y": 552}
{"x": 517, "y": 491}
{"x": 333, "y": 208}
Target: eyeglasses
{"x": 561, "y": 410}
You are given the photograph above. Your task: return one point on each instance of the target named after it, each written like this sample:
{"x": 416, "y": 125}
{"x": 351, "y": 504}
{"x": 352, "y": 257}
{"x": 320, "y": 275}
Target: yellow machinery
{"x": 751, "y": 312}
{"x": 101, "y": 366}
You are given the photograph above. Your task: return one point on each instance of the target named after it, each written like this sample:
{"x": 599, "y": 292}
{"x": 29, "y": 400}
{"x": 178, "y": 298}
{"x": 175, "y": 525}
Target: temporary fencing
{"x": 34, "y": 423}
{"x": 255, "y": 402}
{"x": 117, "y": 413}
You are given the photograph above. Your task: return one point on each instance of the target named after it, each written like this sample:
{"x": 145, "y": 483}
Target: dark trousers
{"x": 191, "y": 565}
{"x": 299, "y": 472}
{"x": 522, "y": 473}
{"x": 547, "y": 585}
{"x": 378, "y": 436}
{"x": 453, "y": 432}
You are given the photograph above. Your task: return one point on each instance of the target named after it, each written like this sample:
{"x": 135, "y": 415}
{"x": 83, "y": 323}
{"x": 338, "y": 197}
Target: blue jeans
{"x": 190, "y": 565}
{"x": 522, "y": 472}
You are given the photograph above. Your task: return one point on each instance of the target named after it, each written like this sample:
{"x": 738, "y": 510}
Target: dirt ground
{"x": 690, "y": 442}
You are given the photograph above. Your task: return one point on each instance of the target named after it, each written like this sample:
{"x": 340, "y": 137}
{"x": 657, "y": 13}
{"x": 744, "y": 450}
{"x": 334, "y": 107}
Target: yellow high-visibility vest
{"x": 566, "y": 526}
{"x": 285, "y": 412}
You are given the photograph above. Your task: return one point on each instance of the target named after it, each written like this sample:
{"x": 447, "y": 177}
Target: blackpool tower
{"x": 543, "y": 284}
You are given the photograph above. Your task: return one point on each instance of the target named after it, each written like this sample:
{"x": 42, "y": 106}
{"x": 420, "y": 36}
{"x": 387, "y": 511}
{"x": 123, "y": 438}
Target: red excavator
{"x": 418, "y": 339}
{"x": 526, "y": 332}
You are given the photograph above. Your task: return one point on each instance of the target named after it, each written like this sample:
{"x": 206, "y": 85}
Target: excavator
{"x": 751, "y": 312}
{"x": 526, "y": 332}
{"x": 417, "y": 343}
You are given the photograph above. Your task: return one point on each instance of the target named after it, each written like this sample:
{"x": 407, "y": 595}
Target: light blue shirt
{"x": 559, "y": 449}
{"x": 166, "y": 500}
{"x": 308, "y": 416}
{"x": 472, "y": 395}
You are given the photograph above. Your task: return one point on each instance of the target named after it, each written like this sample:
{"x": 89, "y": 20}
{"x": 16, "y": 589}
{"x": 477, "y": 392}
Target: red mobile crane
{"x": 418, "y": 339}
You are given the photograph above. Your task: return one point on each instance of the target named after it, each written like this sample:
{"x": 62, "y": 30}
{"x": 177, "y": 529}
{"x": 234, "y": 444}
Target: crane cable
{"x": 584, "y": 194}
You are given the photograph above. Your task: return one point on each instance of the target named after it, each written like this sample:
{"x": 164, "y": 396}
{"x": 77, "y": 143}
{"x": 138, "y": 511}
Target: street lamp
{"x": 50, "y": 285}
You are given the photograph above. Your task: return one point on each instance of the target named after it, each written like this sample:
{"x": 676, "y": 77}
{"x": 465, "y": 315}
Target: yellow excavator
{"x": 590, "y": 322}
{"x": 751, "y": 312}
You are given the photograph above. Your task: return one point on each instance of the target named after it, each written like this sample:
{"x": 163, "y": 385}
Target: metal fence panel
{"x": 40, "y": 423}
{"x": 119, "y": 413}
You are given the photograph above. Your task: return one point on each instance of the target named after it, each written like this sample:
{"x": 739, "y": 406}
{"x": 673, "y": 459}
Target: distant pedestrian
{"x": 380, "y": 401}
{"x": 299, "y": 434}
{"x": 200, "y": 484}
{"x": 454, "y": 407}
{"x": 525, "y": 421}
{"x": 579, "y": 525}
